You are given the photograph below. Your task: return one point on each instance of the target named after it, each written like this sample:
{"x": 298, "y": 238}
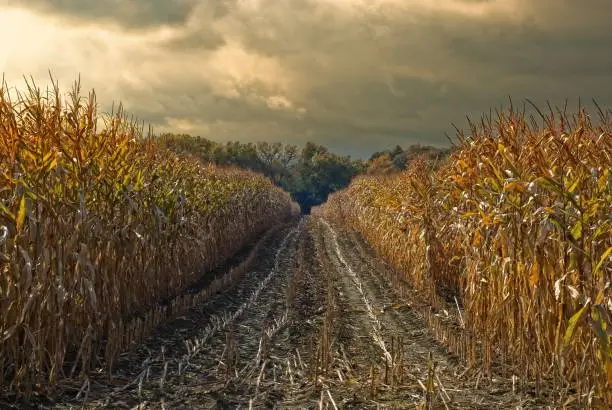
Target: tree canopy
{"x": 309, "y": 173}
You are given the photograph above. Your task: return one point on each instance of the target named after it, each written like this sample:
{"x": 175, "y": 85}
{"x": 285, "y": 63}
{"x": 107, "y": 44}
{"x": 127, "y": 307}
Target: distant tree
{"x": 310, "y": 150}
{"x": 396, "y": 151}
{"x": 376, "y": 155}
{"x": 319, "y": 173}
{"x": 309, "y": 174}
{"x": 382, "y": 164}
{"x": 289, "y": 155}
{"x": 402, "y": 157}
{"x": 401, "y": 160}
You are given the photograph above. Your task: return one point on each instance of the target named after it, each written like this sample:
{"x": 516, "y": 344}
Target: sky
{"x": 356, "y": 75}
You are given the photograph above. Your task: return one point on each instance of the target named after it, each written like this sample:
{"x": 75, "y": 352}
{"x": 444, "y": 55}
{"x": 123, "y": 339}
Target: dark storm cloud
{"x": 529, "y": 50}
{"x": 474, "y": 63}
{"x": 127, "y": 13}
{"x": 355, "y": 75}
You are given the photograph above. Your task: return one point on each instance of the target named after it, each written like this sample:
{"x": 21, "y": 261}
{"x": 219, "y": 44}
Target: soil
{"x": 314, "y": 323}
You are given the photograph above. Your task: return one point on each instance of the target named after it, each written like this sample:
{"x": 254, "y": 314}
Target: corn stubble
{"x": 98, "y": 229}
{"x": 514, "y": 228}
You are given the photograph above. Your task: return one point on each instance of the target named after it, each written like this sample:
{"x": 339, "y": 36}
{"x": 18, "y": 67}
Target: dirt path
{"x": 313, "y": 324}
{"x": 394, "y": 326}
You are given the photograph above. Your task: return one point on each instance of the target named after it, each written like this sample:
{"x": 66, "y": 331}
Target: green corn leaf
{"x": 573, "y": 187}
{"x": 577, "y": 230}
{"x": 6, "y": 212}
{"x": 600, "y": 326}
{"x": 573, "y": 322}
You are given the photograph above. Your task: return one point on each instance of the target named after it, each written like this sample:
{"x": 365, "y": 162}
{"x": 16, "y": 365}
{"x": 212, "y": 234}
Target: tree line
{"x": 309, "y": 173}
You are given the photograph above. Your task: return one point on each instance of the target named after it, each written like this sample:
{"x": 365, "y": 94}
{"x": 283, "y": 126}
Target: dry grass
{"x": 98, "y": 229}
{"x": 516, "y": 226}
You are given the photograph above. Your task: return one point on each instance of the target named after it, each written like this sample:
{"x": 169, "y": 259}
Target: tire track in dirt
{"x": 286, "y": 361}
{"x": 282, "y": 359}
{"x": 453, "y": 391}
{"x": 271, "y": 358}
{"x": 243, "y": 348}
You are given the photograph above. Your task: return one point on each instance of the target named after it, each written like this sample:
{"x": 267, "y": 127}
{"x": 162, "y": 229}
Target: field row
{"x": 101, "y": 231}
{"x": 313, "y": 323}
{"x": 512, "y": 236}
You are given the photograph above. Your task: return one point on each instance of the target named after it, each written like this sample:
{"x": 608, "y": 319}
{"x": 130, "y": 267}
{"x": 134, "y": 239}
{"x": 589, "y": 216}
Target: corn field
{"x": 100, "y": 230}
{"x": 515, "y": 231}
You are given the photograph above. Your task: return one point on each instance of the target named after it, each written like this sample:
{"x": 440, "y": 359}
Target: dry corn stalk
{"x": 97, "y": 227}
{"x": 516, "y": 226}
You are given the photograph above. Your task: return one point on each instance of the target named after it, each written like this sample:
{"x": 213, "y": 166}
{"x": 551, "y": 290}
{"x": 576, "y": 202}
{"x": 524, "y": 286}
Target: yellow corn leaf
{"x": 514, "y": 187}
{"x": 494, "y": 169}
{"x": 603, "y": 259}
{"x": 21, "y": 214}
{"x": 573, "y": 187}
{"x": 603, "y": 180}
{"x": 600, "y": 297}
{"x": 534, "y": 278}
{"x": 398, "y": 306}
{"x": 477, "y": 241}
{"x": 51, "y": 164}
{"x": 351, "y": 381}
{"x": 453, "y": 259}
